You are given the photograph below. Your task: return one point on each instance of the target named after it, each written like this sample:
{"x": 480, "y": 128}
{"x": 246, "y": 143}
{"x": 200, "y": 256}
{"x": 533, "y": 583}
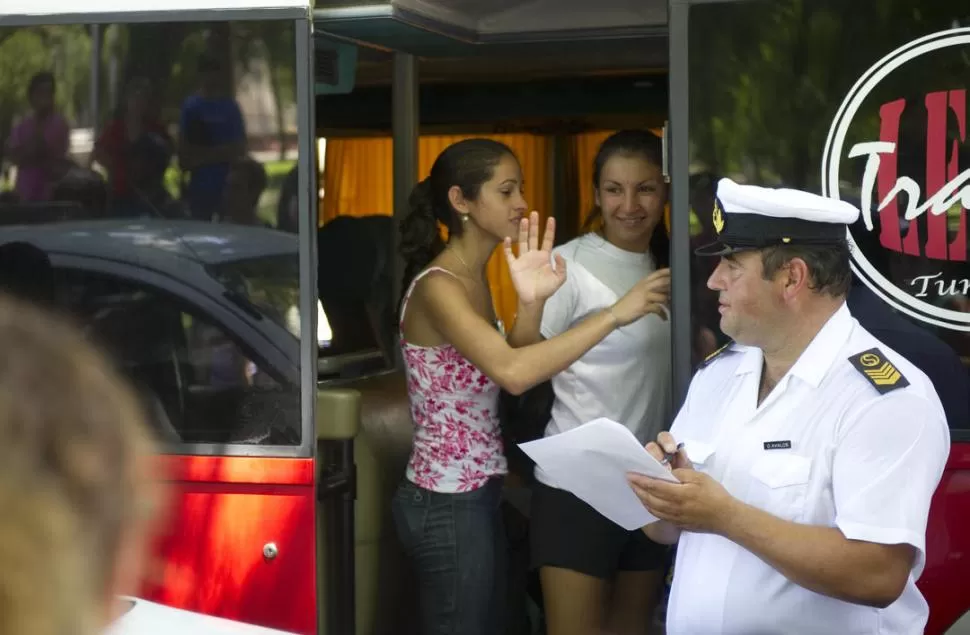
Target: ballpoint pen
{"x": 669, "y": 456}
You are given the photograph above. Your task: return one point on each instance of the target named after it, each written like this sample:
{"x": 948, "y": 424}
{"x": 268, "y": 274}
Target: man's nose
{"x": 715, "y": 282}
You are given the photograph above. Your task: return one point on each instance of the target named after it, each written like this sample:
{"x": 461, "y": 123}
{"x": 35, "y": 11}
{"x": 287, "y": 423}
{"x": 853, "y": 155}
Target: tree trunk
{"x": 152, "y": 50}
{"x": 274, "y": 81}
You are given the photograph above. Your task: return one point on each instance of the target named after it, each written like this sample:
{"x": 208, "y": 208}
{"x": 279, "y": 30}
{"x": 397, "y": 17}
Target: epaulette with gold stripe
{"x": 710, "y": 358}
{"x": 881, "y": 373}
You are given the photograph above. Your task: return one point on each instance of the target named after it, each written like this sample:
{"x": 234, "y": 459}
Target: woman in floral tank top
{"x": 458, "y": 359}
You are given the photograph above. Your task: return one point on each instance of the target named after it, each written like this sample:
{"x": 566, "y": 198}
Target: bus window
{"x": 161, "y": 204}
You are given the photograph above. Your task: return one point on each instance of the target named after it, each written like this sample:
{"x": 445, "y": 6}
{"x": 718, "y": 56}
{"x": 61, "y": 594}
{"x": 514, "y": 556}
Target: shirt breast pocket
{"x": 779, "y": 484}
{"x": 701, "y": 454}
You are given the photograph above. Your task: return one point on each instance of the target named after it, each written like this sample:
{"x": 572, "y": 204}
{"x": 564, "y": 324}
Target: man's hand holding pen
{"x": 698, "y": 503}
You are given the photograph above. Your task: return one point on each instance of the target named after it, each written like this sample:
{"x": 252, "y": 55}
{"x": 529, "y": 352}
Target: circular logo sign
{"x": 899, "y": 199}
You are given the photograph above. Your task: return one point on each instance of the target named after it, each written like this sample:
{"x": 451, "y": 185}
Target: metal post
{"x": 680, "y": 260}
{"x": 405, "y": 119}
{"x": 94, "y": 96}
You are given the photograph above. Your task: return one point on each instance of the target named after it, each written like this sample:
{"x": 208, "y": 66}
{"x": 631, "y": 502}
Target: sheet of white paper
{"x": 592, "y": 462}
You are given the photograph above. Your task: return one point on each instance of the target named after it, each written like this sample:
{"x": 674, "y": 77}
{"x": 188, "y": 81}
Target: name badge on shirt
{"x": 777, "y": 445}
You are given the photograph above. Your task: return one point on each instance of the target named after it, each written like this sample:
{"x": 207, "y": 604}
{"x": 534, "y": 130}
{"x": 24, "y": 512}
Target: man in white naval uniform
{"x": 811, "y": 450}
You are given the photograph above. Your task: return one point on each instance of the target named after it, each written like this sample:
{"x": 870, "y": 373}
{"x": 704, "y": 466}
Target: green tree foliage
{"x": 164, "y": 53}
{"x": 768, "y": 76}
{"x": 63, "y": 50}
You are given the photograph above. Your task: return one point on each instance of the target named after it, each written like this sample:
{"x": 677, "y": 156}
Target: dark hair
{"x": 828, "y": 265}
{"x": 208, "y": 62}
{"x": 83, "y": 186}
{"x": 469, "y": 164}
{"x": 639, "y": 143}
{"x": 26, "y": 273}
{"x": 38, "y": 80}
{"x": 252, "y": 173}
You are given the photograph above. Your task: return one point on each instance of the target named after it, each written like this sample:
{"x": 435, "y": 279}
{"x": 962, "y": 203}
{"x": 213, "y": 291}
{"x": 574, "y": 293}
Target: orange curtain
{"x": 358, "y": 181}
{"x": 357, "y": 178}
{"x": 587, "y": 144}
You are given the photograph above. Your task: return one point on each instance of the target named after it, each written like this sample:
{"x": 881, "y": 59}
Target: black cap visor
{"x": 718, "y": 248}
{"x": 744, "y": 232}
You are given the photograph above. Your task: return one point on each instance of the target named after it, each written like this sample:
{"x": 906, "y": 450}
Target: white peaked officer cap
{"x": 752, "y": 217}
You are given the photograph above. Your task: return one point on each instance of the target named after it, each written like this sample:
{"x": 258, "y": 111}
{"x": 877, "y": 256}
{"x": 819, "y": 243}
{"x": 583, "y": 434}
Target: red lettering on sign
{"x": 943, "y": 180}
{"x": 889, "y": 232}
{"x": 939, "y": 171}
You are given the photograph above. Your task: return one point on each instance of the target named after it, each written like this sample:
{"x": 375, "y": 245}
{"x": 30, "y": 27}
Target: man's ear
{"x": 796, "y": 276}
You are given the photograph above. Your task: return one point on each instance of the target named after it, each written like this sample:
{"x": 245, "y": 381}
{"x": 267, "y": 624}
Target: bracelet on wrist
{"x": 616, "y": 322}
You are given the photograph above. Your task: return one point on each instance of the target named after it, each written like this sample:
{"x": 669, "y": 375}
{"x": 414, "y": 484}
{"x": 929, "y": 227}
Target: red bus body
{"x": 948, "y": 545}
{"x": 226, "y": 511}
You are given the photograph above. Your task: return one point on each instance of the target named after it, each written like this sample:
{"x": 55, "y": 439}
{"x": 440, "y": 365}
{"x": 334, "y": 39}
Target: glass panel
{"x": 201, "y": 382}
{"x": 355, "y": 229}
{"x": 271, "y": 284}
{"x": 149, "y": 186}
{"x": 865, "y": 102}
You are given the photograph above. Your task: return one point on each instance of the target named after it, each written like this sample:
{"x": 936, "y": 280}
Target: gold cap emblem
{"x": 718, "y": 217}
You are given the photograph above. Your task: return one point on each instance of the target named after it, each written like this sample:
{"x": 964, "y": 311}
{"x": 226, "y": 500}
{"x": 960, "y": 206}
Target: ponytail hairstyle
{"x": 636, "y": 143}
{"x": 468, "y": 164}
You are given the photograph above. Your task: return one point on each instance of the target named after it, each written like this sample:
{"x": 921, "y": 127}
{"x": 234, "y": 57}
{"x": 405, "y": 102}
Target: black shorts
{"x": 567, "y": 533}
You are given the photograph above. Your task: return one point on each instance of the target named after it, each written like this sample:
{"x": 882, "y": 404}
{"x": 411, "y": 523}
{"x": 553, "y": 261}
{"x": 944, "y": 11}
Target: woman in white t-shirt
{"x": 595, "y": 575}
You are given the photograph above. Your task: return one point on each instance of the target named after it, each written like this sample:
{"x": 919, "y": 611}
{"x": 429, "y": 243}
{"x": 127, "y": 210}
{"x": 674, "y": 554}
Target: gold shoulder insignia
{"x": 880, "y": 372}
{"x": 710, "y": 358}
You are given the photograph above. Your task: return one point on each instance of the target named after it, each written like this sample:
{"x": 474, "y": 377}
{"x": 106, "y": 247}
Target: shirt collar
{"x": 816, "y": 360}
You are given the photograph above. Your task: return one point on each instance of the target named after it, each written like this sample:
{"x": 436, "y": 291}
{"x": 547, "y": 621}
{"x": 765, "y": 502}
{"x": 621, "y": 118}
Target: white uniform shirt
{"x": 626, "y": 377}
{"x": 843, "y": 456}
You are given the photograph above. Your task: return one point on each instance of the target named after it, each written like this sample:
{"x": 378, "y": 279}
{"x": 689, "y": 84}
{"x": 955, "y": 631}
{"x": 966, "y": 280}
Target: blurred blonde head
{"x": 75, "y": 497}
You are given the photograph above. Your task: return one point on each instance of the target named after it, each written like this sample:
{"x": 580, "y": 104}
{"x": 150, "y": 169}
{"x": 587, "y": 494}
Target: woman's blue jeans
{"x": 456, "y": 543}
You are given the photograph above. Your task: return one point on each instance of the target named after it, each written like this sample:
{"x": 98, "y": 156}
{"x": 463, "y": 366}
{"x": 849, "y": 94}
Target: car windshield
{"x": 270, "y": 284}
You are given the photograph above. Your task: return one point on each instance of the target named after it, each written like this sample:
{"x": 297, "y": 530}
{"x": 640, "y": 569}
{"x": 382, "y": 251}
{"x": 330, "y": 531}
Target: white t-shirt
{"x": 626, "y": 377}
{"x": 827, "y": 447}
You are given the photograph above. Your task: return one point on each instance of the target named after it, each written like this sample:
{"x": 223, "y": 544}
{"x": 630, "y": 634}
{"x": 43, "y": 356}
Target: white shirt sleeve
{"x": 888, "y": 462}
{"x": 560, "y": 310}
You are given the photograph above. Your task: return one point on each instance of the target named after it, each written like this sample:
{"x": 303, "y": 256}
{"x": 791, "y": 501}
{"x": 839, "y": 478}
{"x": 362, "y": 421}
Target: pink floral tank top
{"x": 457, "y": 442}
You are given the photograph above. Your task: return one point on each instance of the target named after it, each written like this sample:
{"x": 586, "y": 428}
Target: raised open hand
{"x": 533, "y": 275}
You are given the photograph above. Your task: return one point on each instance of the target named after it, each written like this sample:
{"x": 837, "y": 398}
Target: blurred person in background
{"x": 212, "y": 137}
{"x": 244, "y": 187}
{"x": 39, "y": 142}
{"x": 136, "y": 150}
{"x": 79, "y": 505}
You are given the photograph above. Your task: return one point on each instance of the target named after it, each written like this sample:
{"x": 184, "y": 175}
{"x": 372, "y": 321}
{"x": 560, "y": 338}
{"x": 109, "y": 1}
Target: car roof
{"x": 157, "y": 243}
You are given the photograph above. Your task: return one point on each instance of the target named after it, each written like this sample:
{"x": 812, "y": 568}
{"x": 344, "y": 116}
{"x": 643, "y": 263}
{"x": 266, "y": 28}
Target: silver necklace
{"x": 498, "y": 323}
{"x": 462, "y": 261}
